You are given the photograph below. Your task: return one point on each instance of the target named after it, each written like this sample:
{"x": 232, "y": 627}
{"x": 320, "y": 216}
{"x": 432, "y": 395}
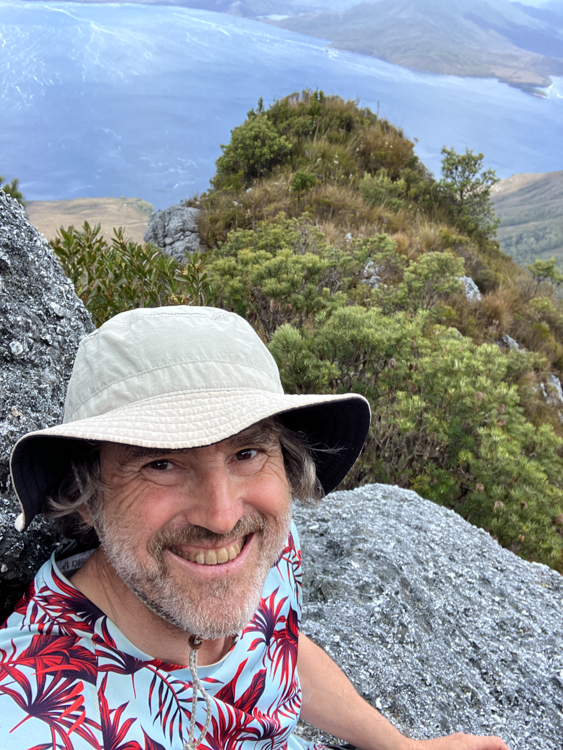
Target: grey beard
{"x": 220, "y": 614}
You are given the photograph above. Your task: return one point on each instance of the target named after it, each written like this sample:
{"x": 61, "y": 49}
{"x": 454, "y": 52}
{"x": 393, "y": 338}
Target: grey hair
{"x": 82, "y": 488}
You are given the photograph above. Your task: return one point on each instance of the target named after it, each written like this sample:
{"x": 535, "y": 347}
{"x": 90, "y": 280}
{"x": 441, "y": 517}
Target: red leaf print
{"x": 60, "y": 705}
{"x": 266, "y": 619}
{"x": 113, "y": 734}
{"x": 286, "y": 643}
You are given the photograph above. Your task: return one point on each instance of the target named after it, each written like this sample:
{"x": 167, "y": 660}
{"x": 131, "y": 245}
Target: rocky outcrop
{"x": 437, "y": 625}
{"x": 470, "y": 288}
{"x": 175, "y": 231}
{"x": 41, "y": 324}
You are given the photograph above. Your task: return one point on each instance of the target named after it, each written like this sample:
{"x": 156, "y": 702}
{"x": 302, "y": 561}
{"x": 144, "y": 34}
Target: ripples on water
{"x": 135, "y": 100}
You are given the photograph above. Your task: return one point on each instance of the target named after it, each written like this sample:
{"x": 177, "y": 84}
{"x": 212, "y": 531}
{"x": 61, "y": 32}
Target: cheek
{"x": 133, "y": 502}
{"x": 270, "y": 495}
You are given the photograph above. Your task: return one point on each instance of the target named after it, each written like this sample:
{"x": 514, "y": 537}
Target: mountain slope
{"x": 530, "y": 207}
{"x": 519, "y": 45}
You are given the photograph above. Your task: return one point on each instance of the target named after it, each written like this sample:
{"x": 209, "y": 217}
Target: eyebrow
{"x": 261, "y": 435}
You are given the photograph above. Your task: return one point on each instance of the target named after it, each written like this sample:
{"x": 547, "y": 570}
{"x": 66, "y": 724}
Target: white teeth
{"x": 212, "y": 557}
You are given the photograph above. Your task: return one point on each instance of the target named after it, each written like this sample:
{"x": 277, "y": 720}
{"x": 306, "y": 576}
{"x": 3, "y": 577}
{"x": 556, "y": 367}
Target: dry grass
{"x": 130, "y": 213}
{"x": 495, "y": 309}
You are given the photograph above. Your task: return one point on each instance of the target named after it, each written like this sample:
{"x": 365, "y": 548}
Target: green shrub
{"x": 447, "y": 421}
{"x": 12, "y": 189}
{"x": 124, "y": 274}
{"x": 466, "y": 190}
{"x": 302, "y": 182}
{"x": 283, "y": 272}
{"x": 380, "y": 190}
{"x": 255, "y": 149}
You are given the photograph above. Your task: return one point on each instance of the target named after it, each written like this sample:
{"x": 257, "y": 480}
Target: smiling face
{"x": 193, "y": 533}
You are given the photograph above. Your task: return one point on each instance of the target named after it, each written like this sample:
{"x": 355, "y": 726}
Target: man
{"x": 179, "y": 456}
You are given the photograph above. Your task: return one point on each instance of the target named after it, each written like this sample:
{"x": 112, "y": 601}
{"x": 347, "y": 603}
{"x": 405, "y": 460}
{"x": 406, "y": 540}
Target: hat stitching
{"x": 174, "y": 364}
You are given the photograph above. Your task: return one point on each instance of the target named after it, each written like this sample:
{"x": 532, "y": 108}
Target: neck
{"x": 99, "y": 582}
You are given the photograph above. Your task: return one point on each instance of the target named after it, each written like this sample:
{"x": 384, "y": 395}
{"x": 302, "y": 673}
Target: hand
{"x": 460, "y": 741}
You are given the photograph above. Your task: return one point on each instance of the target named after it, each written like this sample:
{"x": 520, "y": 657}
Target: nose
{"x": 217, "y": 505}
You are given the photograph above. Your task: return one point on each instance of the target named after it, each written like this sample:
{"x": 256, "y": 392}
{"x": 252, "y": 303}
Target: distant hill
{"x": 518, "y": 44}
{"x": 130, "y": 213}
{"x": 515, "y": 43}
{"x": 530, "y": 207}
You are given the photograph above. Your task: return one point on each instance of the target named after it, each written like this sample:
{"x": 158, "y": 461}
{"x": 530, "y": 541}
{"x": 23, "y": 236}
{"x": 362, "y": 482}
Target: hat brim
{"x": 191, "y": 420}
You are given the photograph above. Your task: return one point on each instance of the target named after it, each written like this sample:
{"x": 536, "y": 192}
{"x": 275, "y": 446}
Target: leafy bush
{"x": 12, "y": 189}
{"x": 283, "y": 272}
{"x": 255, "y": 149}
{"x": 302, "y": 182}
{"x": 124, "y": 275}
{"x": 466, "y": 188}
{"x": 447, "y": 420}
{"x": 380, "y": 190}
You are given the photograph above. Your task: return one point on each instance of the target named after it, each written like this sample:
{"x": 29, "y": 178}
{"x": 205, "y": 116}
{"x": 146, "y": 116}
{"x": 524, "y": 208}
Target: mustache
{"x": 253, "y": 523}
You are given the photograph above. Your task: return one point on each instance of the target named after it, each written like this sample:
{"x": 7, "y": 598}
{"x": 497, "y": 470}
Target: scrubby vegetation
{"x": 326, "y": 232}
{"x": 12, "y": 189}
{"x": 124, "y": 275}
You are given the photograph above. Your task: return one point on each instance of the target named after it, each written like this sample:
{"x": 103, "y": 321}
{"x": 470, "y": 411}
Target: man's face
{"x": 194, "y": 533}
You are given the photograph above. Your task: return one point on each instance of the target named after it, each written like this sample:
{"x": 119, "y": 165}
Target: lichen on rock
{"x": 41, "y": 324}
{"x": 436, "y": 624}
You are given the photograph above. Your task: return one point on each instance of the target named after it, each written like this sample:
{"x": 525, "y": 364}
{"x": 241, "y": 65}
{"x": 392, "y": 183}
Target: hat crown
{"x": 143, "y": 354}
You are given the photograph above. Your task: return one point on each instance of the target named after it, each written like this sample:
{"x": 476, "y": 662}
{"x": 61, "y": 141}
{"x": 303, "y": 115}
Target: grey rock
{"x": 554, "y": 391}
{"x": 509, "y": 343}
{"x": 472, "y": 293}
{"x": 175, "y": 231}
{"x": 370, "y": 275}
{"x": 41, "y": 324}
{"x": 437, "y": 625}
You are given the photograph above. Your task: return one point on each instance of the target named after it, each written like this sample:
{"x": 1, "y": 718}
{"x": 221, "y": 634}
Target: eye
{"x": 161, "y": 464}
{"x": 246, "y": 454}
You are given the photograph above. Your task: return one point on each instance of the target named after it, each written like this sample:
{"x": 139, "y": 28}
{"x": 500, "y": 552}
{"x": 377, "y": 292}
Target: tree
{"x": 544, "y": 270}
{"x": 466, "y": 188}
{"x": 12, "y": 189}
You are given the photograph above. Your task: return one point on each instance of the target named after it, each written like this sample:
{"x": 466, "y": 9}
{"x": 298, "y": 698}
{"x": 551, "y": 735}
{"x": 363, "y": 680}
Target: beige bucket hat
{"x": 180, "y": 377}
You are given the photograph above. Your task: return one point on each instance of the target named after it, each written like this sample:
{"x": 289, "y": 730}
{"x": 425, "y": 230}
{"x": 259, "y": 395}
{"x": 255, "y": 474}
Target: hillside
{"x": 517, "y": 44}
{"x": 326, "y": 232}
{"x": 530, "y": 207}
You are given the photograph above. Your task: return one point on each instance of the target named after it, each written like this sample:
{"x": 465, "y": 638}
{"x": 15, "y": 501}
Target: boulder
{"x": 41, "y": 324}
{"x": 175, "y": 231}
{"x": 437, "y": 625}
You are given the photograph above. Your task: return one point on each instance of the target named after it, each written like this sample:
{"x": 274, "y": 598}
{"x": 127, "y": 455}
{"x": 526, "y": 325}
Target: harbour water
{"x": 135, "y": 100}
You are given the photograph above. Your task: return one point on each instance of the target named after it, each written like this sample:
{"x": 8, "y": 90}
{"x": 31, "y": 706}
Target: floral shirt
{"x": 69, "y": 679}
